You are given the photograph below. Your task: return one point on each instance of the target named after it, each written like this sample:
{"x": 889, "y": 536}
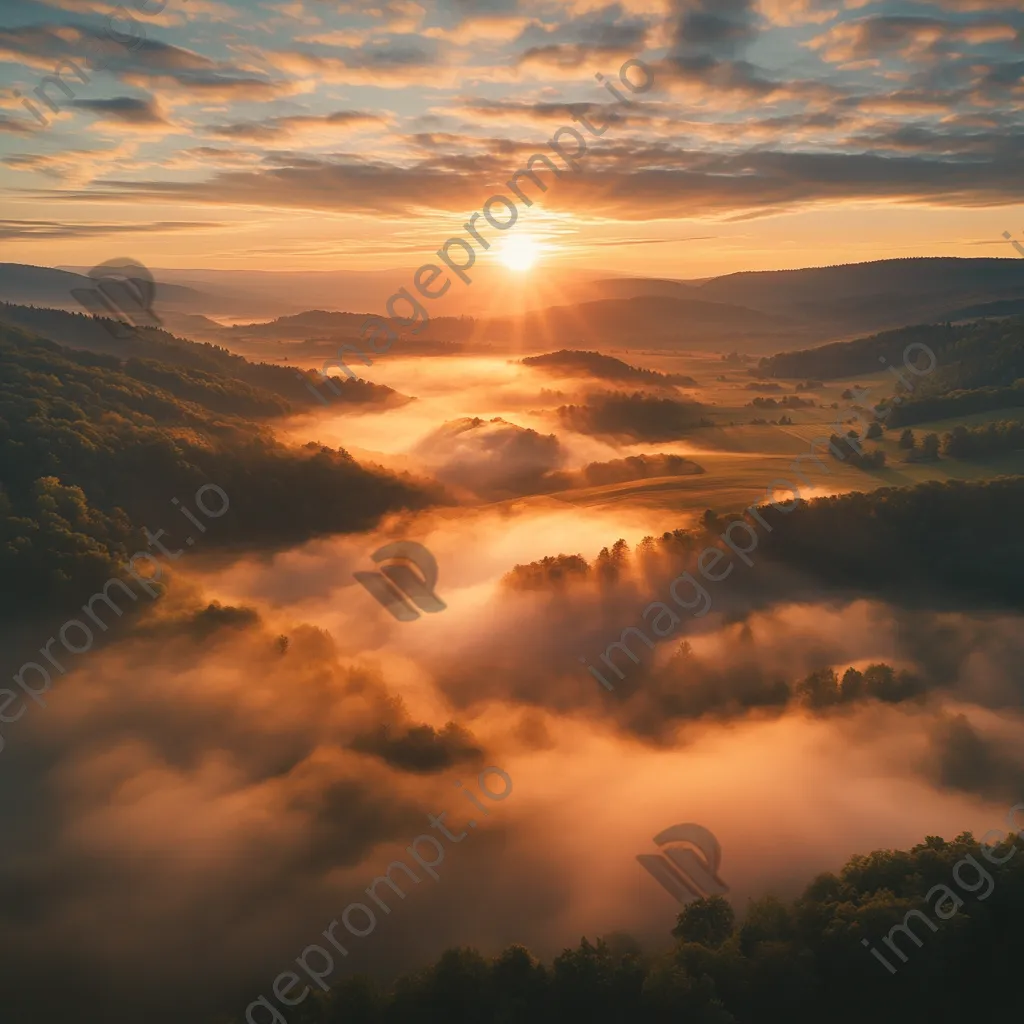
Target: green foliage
{"x": 92, "y": 450}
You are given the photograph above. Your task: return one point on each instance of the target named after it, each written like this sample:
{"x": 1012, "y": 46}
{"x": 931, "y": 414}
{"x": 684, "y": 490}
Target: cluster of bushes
{"x": 789, "y": 402}
{"x": 847, "y": 449}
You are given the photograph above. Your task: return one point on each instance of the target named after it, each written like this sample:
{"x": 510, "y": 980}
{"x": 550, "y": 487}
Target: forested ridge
{"x": 94, "y": 334}
{"x": 93, "y": 448}
{"x": 776, "y": 960}
{"x": 984, "y": 354}
{"x": 946, "y": 540}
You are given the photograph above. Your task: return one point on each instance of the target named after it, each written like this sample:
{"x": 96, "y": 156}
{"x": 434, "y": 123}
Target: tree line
{"x": 804, "y": 960}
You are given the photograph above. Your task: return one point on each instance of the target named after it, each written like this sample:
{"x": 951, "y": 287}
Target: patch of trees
{"x": 951, "y": 908}
{"x": 93, "y": 449}
{"x": 991, "y": 439}
{"x": 640, "y": 416}
{"x": 789, "y": 402}
{"x": 602, "y": 367}
{"x": 824, "y": 689}
{"x": 953, "y": 537}
{"x": 953, "y": 404}
{"x": 637, "y": 467}
{"x": 847, "y": 449}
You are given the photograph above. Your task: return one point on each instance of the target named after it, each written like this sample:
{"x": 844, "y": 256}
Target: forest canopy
{"x": 93, "y": 448}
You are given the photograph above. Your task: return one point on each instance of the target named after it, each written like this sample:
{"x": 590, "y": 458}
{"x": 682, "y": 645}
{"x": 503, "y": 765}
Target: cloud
{"x": 912, "y": 38}
{"x": 145, "y": 63}
{"x": 312, "y": 126}
{"x": 521, "y": 112}
{"x": 627, "y": 181}
{"x": 139, "y": 113}
{"x": 78, "y": 229}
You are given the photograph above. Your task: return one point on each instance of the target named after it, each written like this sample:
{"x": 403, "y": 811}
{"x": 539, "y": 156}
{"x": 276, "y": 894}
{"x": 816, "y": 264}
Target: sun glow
{"x": 519, "y": 253}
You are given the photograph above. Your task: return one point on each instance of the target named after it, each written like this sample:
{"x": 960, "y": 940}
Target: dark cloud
{"x": 963, "y": 758}
{"x": 721, "y": 28}
{"x": 141, "y": 62}
{"x": 629, "y": 181}
{"x": 123, "y": 108}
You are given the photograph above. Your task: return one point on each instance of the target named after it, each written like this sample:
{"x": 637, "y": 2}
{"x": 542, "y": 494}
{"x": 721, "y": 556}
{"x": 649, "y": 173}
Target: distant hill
{"x": 595, "y": 364}
{"x": 634, "y": 288}
{"x": 27, "y": 285}
{"x": 886, "y": 293}
{"x": 758, "y": 311}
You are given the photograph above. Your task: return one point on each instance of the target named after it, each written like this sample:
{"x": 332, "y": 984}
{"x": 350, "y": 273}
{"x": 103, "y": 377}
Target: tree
{"x": 907, "y": 439}
{"x": 708, "y": 922}
{"x": 820, "y": 689}
{"x": 930, "y": 446}
{"x": 852, "y": 686}
{"x": 874, "y": 431}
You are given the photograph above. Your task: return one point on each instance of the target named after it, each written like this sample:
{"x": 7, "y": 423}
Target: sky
{"x": 326, "y": 135}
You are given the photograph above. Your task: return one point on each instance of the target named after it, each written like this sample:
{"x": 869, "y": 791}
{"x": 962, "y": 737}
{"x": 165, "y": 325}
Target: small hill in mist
{"x": 637, "y": 416}
{"x": 46, "y": 286}
{"x": 491, "y": 458}
{"x": 572, "y": 362}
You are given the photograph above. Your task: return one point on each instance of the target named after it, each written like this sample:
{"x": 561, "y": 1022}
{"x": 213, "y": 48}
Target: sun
{"x": 519, "y": 253}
